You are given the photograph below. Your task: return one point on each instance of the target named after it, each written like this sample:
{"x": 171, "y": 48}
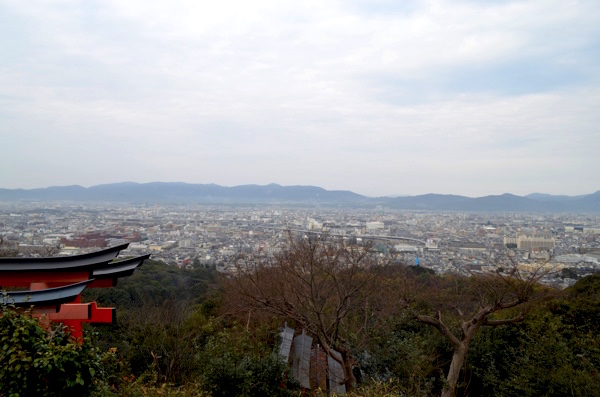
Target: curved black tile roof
{"x": 118, "y": 269}
{"x": 89, "y": 261}
{"x": 44, "y": 297}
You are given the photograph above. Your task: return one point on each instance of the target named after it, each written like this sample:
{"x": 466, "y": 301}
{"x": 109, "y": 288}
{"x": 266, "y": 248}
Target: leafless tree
{"x": 47, "y": 250}
{"x": 7, "y": 248}
{"x": 11, "y": 249}
{"x": 327, "y": 287}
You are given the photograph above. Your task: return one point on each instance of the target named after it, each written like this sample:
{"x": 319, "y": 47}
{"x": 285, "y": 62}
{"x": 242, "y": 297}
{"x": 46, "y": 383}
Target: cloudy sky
{"x": 378, "y": 97}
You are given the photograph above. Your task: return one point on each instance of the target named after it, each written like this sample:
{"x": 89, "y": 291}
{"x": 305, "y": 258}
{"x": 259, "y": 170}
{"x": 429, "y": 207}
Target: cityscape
{"x": 567, "y": 245}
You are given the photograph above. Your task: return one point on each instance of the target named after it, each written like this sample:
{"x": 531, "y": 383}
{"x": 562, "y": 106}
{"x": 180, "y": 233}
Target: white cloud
{"x": 323, "y": 92}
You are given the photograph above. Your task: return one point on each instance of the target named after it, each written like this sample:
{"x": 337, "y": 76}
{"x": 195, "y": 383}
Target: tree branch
{"x": 494, "y": 323}
{"x": 439, "y": 324}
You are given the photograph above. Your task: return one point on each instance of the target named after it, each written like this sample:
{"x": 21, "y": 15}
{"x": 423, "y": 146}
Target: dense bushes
{"x": 44, "y": 362}
{"x": 554, "y": 352}
{"x": 408, "y": 355}
{"x": 171, "y": 336}
{"x": 181, "y": 345}
{"x": 232, "y": 364}
{"x": 155, "y": 283}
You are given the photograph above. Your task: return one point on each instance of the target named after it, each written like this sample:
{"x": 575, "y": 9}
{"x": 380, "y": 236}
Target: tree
{"x": 481, "y": 300}
{"x": 329, "y": 288}
{"x": 7, "y": 248}
{"x": 11, "y": 249}
{"x": 555, "y": 351}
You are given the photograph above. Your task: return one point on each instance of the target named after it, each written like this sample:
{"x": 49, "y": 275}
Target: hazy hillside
{"x": 178, "y": 192}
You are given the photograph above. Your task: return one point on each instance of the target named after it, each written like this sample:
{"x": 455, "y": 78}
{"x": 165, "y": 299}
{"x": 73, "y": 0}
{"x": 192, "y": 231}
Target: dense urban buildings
{"x": 203, "y": 235}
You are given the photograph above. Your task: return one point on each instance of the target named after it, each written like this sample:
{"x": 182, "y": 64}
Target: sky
{"x": 377, "y": 97}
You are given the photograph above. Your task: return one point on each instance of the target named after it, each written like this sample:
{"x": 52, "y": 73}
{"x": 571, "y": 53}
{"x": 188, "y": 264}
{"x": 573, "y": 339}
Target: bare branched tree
{"x": 329, "y": 288}
{"x": 47, "y": 250}
{"x": 11, "y": 249}
{"x": 7, "y": 248}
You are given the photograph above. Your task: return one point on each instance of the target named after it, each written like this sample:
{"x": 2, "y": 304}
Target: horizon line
{"x": 296, "y": 185}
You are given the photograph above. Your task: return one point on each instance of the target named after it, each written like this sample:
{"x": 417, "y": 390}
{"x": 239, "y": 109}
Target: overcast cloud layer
{"x": 377, "y": 97}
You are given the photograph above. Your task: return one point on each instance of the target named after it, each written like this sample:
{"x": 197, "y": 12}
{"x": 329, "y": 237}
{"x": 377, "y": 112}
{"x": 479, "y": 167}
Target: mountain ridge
{"x": 181, "y": 192}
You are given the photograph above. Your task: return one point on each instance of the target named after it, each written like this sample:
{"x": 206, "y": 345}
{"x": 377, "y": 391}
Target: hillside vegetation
{"x": 196, "y": 332}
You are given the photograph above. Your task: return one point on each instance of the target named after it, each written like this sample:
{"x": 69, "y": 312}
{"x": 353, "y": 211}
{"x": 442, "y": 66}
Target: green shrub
{"x": 234, "y": 365}
{"x": 43, "y": 362}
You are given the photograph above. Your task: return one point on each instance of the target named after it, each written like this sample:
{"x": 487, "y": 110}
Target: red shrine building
{"x": 54, "y": 285}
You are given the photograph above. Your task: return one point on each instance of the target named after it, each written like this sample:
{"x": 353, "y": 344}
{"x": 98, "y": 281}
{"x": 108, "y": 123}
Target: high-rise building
{"x": 530, "y": 243}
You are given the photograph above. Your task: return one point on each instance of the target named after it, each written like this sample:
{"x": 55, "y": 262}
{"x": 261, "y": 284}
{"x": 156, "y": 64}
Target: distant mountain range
{"x": 177, "y": 192}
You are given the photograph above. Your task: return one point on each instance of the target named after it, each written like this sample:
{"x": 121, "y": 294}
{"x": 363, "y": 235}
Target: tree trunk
{"x": 458, "y": 359}
{"x": 344, "y": 357}
{"x": 350, "y": 378}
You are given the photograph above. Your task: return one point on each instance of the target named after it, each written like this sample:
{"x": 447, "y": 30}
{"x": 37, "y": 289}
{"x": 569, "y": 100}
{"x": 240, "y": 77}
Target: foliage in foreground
{"x": 181, "y": 349}
{"x": 44, "y": 362}
{"x": 554, "y": 352}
